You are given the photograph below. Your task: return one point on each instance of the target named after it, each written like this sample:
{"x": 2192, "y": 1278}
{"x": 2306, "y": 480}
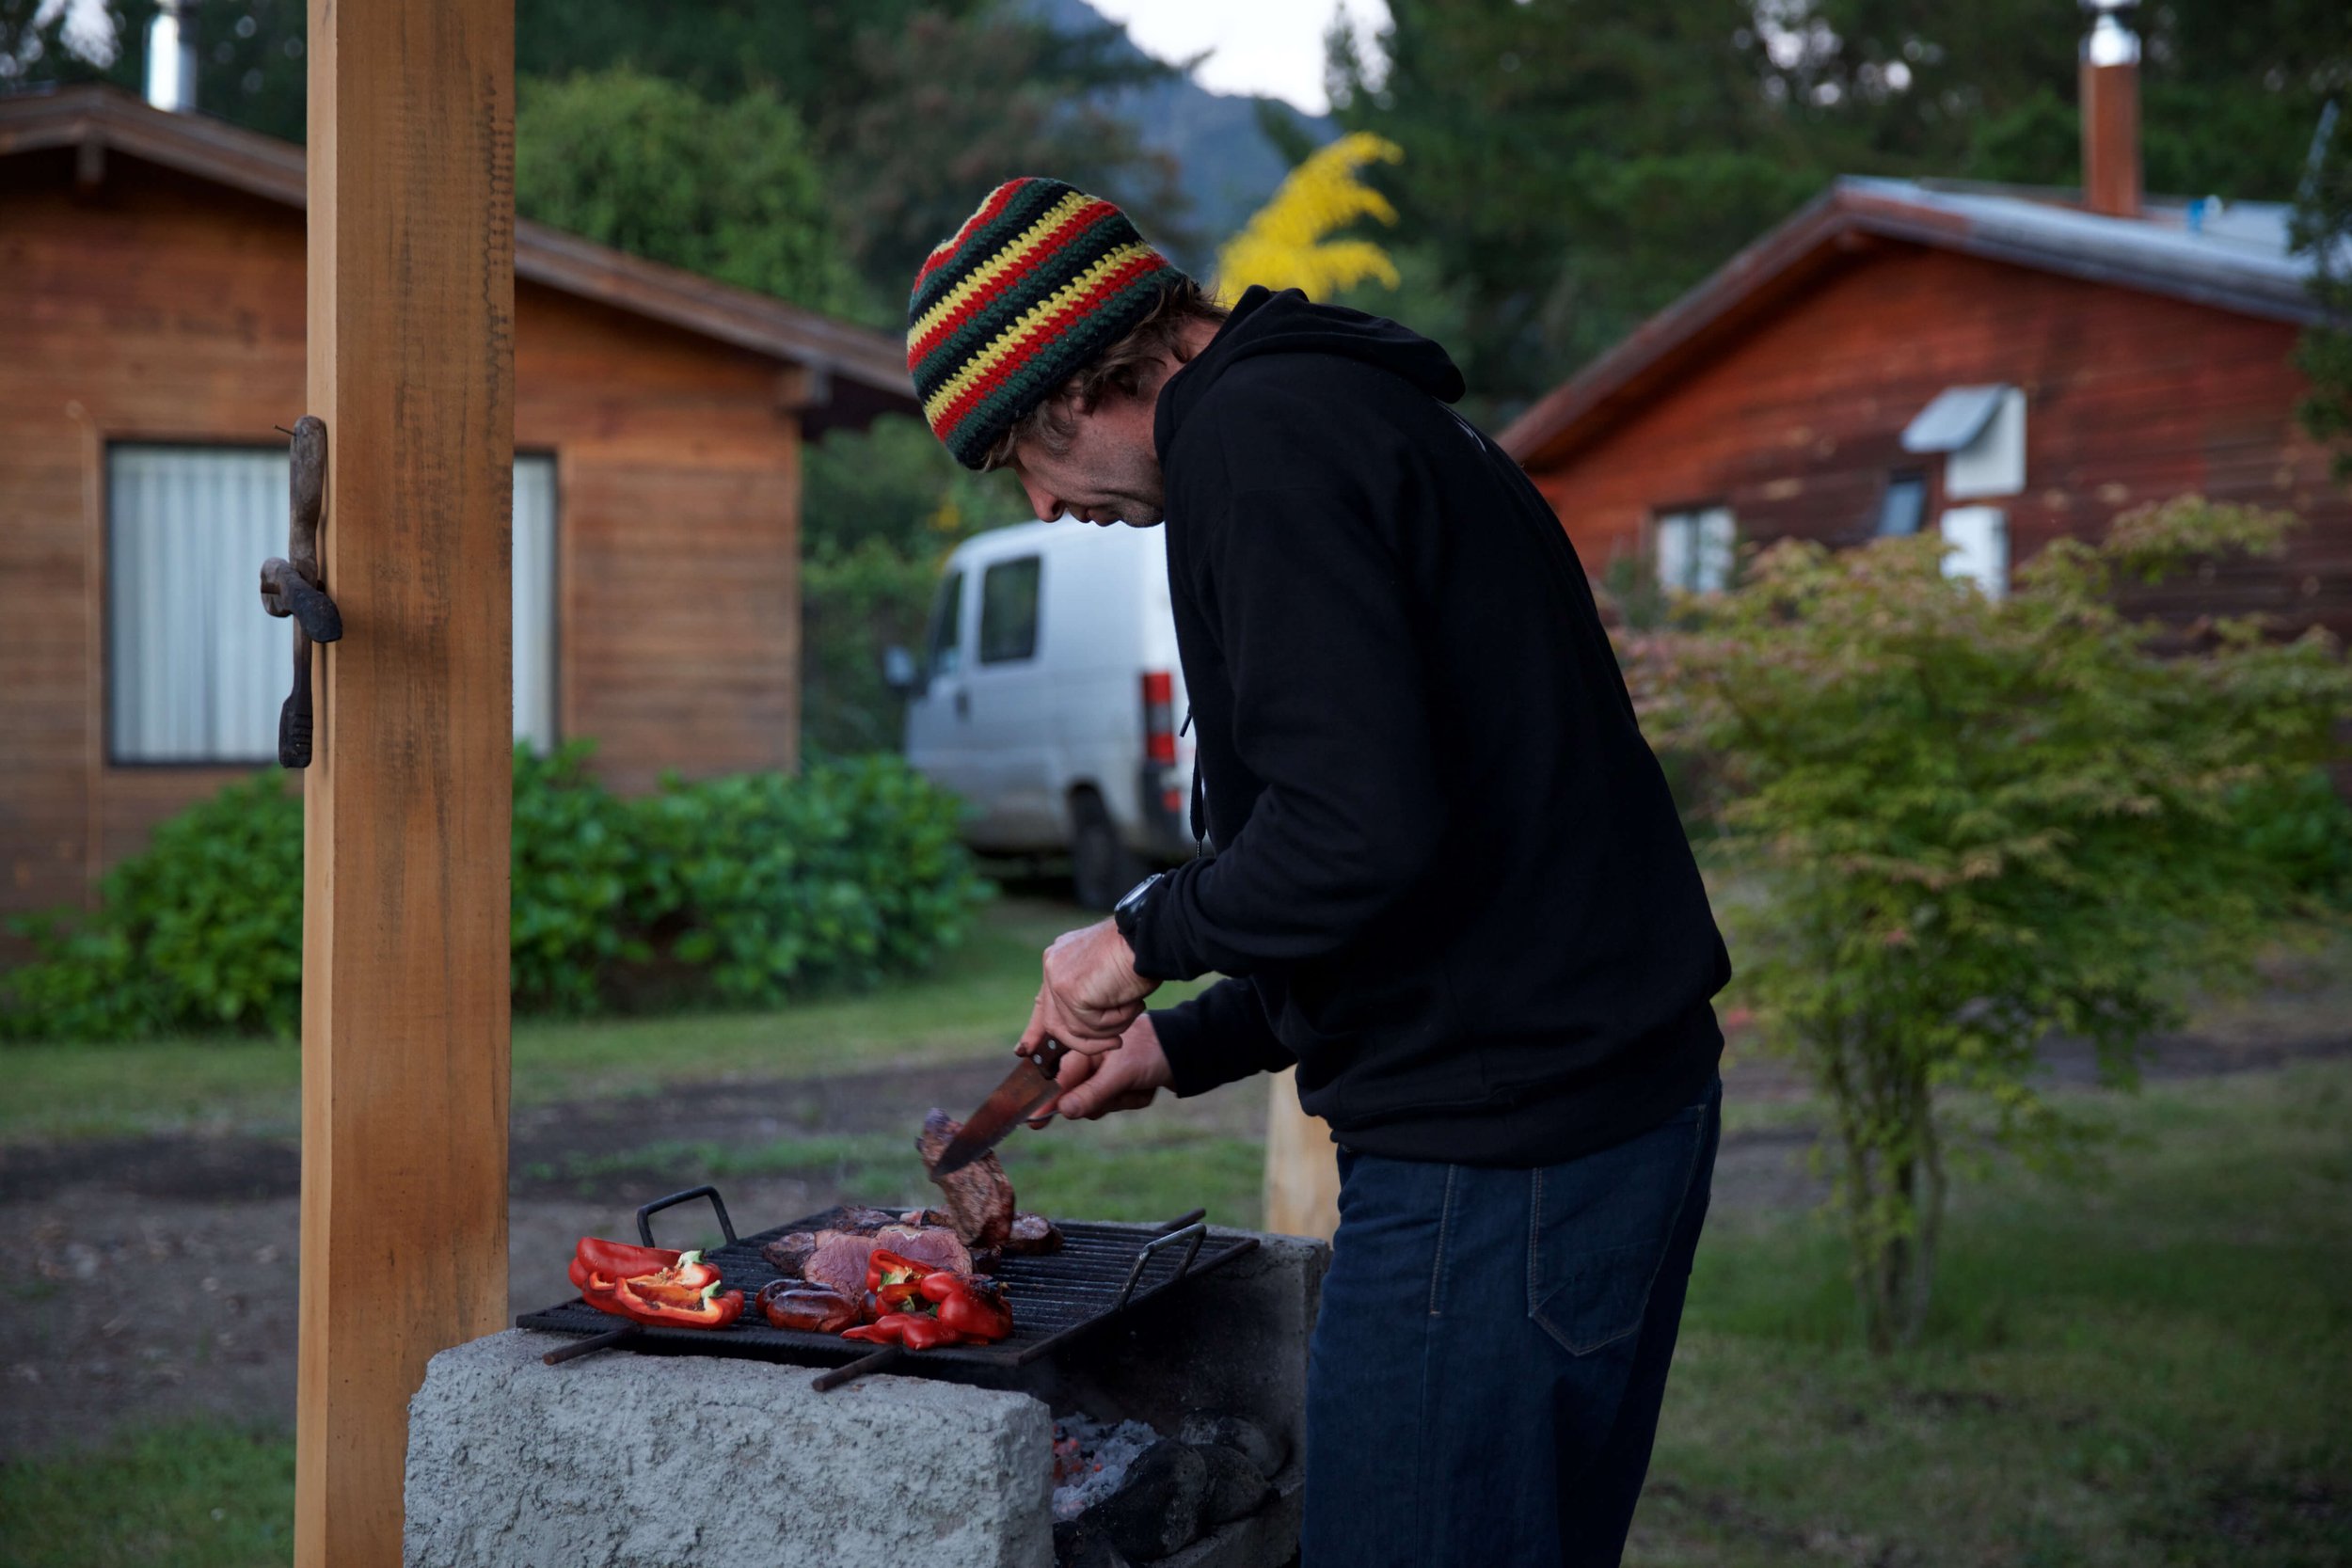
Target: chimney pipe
{"x": 2109, "y": 79}
{"x": 171, "y": 57}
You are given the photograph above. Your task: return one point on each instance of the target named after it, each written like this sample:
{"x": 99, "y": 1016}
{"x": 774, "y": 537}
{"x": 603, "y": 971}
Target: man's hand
{"x": 1091, "y": 992}
{"x": 1124, "y": 1079}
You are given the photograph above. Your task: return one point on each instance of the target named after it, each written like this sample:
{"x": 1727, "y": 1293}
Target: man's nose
{"x": 1046, "y": 504}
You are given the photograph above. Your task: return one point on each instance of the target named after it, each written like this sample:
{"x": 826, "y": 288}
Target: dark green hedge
{"x": 745, "y": 891}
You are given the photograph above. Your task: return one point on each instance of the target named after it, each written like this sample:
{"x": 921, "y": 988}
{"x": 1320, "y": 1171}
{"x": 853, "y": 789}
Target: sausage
{"x": 791, "y": 1304}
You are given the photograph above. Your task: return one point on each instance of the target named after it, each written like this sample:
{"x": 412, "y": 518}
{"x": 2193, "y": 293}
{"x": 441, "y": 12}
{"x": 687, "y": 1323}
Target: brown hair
{"x": 1119, "y": 368}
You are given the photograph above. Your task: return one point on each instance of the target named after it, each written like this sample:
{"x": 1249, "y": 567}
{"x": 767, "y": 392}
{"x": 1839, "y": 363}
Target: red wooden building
{"x": 2000, "y": 363}
{"x": 152, "y": 287}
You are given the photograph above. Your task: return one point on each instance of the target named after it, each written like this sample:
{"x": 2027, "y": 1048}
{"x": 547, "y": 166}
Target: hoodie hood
{"x": 1264, "y": 321}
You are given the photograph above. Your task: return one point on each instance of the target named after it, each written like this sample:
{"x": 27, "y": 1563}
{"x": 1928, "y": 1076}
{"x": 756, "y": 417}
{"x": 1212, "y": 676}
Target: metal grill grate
{"x": 1100, "y": 1270}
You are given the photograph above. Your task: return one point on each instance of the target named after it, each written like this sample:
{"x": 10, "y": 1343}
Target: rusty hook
{"x": 292, "y": 587}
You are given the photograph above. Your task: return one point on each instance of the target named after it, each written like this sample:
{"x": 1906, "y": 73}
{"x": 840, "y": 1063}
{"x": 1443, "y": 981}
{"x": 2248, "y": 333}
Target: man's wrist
{"x": 1129, "y": 910}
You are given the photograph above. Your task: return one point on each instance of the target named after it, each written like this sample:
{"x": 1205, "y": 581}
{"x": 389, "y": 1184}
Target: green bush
{"x": 767, "y": 885}
{"x": 2301, "y": 828}
{"x": 749, "y": 890}
{"x": 201, "y": 932}
{"x": 573, "y": 855}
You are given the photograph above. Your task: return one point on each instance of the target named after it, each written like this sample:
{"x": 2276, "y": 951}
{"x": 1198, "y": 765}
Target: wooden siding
{"x": 2130, "y": 398}
{"x": 163, "y": 308}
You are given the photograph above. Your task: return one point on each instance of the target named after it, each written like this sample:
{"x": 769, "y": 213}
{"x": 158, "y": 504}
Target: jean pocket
{"x": 1600, "y": 1228}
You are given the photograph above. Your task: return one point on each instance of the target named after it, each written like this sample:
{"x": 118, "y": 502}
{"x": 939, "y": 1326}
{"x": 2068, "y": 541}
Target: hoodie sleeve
{"x": 1317, "y": 627}
{"x": 1219, "y": 1037}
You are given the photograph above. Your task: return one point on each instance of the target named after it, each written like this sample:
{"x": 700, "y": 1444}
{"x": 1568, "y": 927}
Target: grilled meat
{"x": 838, "y": 1261}
{"x": 932, "y": 1244}
{"x": 835, "y": 1260}
{"x": 1031, "y": 1234}
{"x": 980, "y": 1199}
{"x": 812, "y": 1308}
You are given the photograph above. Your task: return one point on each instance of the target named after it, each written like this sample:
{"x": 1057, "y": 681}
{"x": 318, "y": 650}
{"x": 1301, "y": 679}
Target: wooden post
{"x": 1302, "y": 1167}
{"x": 406, "y": 871}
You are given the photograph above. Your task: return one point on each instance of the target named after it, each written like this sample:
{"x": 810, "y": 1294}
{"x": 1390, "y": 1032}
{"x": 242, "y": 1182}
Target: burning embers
{"x": 1124, "y": 1494}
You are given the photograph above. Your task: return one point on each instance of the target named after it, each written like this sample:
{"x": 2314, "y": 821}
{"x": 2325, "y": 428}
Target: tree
{"x": 642, "y": 164}
{"x": 2322, "y": 229}
{"x": 880, "y": 509}
{"x": 1542, "y": 140}
{"x": 1962, "y": 824}
{"x": 1294, "y": 242}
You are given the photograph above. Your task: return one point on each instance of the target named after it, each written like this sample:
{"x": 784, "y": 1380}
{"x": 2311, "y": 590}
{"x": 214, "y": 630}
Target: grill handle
{"x": 827, "y": 1381}
{"x": 644, "y": 1215}
{"x": 1196, "y": 1232}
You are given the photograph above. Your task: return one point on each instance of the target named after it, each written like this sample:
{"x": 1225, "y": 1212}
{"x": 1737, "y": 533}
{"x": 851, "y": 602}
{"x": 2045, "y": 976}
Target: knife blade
{"x": 1027, "y": 1090}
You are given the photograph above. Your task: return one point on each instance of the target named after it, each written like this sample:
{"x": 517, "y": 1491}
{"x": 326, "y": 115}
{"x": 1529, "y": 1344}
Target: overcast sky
{"x": 1263, "y": 46}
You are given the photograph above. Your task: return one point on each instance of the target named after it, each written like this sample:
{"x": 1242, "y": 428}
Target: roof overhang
{"x": 1856, "y": 217}
{"x": 851, "y": 372}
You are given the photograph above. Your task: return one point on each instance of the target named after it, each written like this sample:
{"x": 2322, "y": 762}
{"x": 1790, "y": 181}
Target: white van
{"x": 1048, "y": 695}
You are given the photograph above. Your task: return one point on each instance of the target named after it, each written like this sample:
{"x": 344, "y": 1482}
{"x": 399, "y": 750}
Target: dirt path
{"x": 159, "y": 1277}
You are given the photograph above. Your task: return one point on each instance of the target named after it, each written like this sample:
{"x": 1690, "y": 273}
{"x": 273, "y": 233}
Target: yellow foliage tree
{"x": 1288, "y": 244}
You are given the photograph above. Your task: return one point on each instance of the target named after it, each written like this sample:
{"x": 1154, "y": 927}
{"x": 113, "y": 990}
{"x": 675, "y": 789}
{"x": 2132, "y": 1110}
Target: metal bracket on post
{"x": 292, "y": 587}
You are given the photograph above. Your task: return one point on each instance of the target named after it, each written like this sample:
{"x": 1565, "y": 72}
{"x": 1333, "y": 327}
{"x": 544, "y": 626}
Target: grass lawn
{"x": 973, "y": 1004}
{"x": 2150, "y": 1372}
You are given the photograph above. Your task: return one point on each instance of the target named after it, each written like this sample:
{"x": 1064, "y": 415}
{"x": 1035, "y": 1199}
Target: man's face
{"x": 1108, "y": 473}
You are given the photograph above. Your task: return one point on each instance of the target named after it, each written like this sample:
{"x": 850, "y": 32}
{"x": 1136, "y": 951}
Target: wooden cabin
{"x": 152, "y": 309}
{"x": 1999, "y": 365}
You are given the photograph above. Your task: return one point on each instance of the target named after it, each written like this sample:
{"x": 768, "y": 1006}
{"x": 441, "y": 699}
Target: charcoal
{"x": 1159, "y": 1510}
{"x": 1077, "y": 1544}
{"x": 1239, "y": 1432}
{"x": 1236, "y": 1487}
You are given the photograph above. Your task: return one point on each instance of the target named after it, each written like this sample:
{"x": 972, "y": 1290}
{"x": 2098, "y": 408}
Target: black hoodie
{"x": 1449, "y": 880}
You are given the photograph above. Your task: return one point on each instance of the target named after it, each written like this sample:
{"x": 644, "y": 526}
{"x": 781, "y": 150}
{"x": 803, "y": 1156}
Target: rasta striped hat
{"x": 1033, "y": 287}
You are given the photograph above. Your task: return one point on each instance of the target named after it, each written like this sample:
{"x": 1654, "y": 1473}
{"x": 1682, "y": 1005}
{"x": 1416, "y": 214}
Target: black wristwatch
{"x": 1131, "y": 905}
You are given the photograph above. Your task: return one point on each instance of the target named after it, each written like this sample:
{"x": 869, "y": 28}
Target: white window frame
{"x": 195, "y": 670}
{"x": 1694, "y": 549}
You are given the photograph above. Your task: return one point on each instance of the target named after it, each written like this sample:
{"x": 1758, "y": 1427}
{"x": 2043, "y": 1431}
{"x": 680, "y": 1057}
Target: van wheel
{"x": 1101, "y": 867}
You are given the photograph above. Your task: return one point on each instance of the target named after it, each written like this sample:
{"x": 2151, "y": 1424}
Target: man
{"x": 1449, "y": 884}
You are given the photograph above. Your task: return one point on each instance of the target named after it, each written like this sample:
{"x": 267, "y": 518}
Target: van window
{"x": 945, "y": 652}
{"x": 1008, "y": 610}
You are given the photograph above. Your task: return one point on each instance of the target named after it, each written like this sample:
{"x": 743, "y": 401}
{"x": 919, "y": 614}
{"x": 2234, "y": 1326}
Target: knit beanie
{"x": 1032, "y": 289}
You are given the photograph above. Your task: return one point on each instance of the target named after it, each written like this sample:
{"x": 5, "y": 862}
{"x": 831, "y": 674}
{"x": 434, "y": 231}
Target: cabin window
{"x": 946, "y": 640}
{"x": 1694, "y": 550}
{"x": 1008, "y": 610}
{"x": 1904, "y": 505}
{"x": 196, "y": 671}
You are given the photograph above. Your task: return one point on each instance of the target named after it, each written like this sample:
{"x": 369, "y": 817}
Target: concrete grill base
{"x": 621, "y": 1460}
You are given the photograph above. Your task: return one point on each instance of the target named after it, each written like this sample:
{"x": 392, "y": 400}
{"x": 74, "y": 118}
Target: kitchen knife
{"x": 1025, "y": 1091}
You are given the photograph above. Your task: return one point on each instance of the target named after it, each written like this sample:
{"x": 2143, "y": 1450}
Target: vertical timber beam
{"x": 404, "y": 885}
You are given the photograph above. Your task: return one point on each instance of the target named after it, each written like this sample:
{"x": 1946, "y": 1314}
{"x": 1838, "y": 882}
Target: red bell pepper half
{"x": 618, "y": 1259}
{"x": 910, "y": 1329}
{"x": 973, "y": 1308}
{"x": 678, "y": 1289}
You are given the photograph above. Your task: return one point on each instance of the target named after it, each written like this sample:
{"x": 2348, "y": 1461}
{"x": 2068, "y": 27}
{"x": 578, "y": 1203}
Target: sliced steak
{"x": 1032, "y": 1234}
{"x": 838, "y": 1262}
{"x": 837, "y": 1258}
{"x": 980, "y": 1199}
{"x": 788, "y": 1254}
{"x": 935, "y": 1244}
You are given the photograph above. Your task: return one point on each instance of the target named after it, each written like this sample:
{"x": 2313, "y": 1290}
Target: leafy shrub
{"x": 1979, "y": 821}
{"x": 747, "y": 890}
{"x": 768, "y": 885}
{"x": 573, "y": 855}
{"x": 2301, "y": 828}
{"x": 202, "y": 930}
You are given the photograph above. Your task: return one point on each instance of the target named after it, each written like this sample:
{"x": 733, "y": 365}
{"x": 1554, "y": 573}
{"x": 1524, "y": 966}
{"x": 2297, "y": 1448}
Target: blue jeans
{"x": 1491, "y": 1351}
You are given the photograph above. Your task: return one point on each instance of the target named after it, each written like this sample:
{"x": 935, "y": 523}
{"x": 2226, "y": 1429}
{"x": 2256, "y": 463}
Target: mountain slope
{"x": 1226, "y": 165}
